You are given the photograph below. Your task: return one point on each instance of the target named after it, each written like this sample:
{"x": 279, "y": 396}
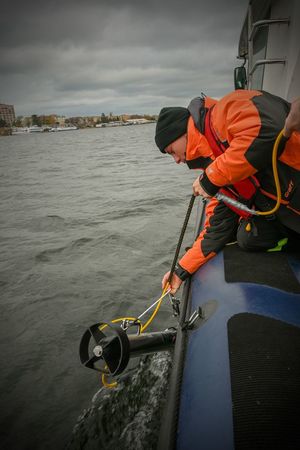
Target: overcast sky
{"x": 75, "y": 57}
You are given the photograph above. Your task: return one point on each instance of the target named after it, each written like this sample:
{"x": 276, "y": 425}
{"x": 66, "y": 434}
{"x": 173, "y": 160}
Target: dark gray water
{"x": 89, "y": 224}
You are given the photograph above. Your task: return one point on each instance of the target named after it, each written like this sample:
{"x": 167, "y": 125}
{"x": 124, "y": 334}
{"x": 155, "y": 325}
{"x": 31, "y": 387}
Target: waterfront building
{"x": 7, "y": 113}
{"x": 60, "y": 121}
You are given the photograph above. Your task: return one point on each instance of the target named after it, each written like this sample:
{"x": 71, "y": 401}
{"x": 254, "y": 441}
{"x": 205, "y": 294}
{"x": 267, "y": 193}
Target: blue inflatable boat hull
{"x": 235, "y": 382}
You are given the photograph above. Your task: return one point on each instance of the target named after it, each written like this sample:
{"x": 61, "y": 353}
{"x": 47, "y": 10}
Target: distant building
{"x": 7, "y": 113}
{"x": 60, "y": 121}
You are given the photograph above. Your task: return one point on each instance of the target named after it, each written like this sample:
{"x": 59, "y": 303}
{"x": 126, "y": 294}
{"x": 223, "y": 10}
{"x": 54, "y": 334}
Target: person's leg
{"x": 260, "y": 234}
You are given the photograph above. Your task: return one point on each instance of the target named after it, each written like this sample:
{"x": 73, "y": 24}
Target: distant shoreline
{"x": 13, "y": 131}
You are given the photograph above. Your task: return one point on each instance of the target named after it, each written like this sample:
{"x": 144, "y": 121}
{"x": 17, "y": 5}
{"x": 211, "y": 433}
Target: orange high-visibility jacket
{"x": 247, "y": 124}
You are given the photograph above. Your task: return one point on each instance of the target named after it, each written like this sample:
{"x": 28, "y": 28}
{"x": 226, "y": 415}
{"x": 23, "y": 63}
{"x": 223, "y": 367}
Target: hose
{"x": 276, "y": 177}
{"x": 241, "y": 206}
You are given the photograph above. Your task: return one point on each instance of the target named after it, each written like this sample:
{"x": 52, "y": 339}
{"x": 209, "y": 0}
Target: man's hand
{"x": 175, "y": 282}
{"x": 292, "y": 122}
{"x": 197, "y": 189}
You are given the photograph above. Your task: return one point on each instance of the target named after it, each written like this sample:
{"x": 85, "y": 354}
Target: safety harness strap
{"x": 246, "y": 188}
{"x": 243, "y": 191}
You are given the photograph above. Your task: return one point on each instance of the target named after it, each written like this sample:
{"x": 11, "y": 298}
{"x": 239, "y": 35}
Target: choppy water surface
{"x": 89, "y": 224}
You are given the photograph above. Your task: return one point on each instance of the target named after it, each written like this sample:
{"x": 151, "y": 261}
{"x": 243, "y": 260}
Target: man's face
{"x": 177, "y": 149}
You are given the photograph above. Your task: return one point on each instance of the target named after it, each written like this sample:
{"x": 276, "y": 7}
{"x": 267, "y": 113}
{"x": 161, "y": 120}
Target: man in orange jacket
{"x": 232, "y": 141}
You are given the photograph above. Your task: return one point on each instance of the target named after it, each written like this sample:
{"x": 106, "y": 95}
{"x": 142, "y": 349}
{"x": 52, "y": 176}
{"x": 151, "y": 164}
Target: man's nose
{"x": 176, "y": 159}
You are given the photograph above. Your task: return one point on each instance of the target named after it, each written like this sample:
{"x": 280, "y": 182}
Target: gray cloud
{"x": 97, "y": 56}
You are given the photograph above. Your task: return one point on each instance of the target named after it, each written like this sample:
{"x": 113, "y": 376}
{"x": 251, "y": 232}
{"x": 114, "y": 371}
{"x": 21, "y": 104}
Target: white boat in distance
{"x": 71, "y": 128}
{"x": 25, "y": 130}
{"x": 37, "y": 129}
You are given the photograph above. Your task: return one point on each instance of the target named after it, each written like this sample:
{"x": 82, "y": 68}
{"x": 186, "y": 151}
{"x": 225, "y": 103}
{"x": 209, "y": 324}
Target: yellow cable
{"x": 114, "y": 384}
{"x": 103, "y": 376}
{"x": 156, "y": 309}
{"x": 276, "y": 177}
{"x": 143, "y": 327}
{"x": 106, "y": 384}
{"x": 120, "y": 319}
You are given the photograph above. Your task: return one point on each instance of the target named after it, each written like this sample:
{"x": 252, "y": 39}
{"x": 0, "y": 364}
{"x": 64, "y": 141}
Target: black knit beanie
{"x": 171, "y": 124}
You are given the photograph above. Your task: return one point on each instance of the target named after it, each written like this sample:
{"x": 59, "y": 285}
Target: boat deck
{"x": 240, "y": 384}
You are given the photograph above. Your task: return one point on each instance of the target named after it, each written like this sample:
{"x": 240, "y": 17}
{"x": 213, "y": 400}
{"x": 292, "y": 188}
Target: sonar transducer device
{"x": 107, "y": 348}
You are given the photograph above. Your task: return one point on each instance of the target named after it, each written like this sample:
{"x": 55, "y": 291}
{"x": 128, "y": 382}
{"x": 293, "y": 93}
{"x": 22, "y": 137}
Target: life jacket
{"x": 245, "y": 190}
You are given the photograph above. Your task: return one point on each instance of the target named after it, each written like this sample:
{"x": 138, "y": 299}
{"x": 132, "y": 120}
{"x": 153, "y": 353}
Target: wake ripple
{"x": 129, "y": 416}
